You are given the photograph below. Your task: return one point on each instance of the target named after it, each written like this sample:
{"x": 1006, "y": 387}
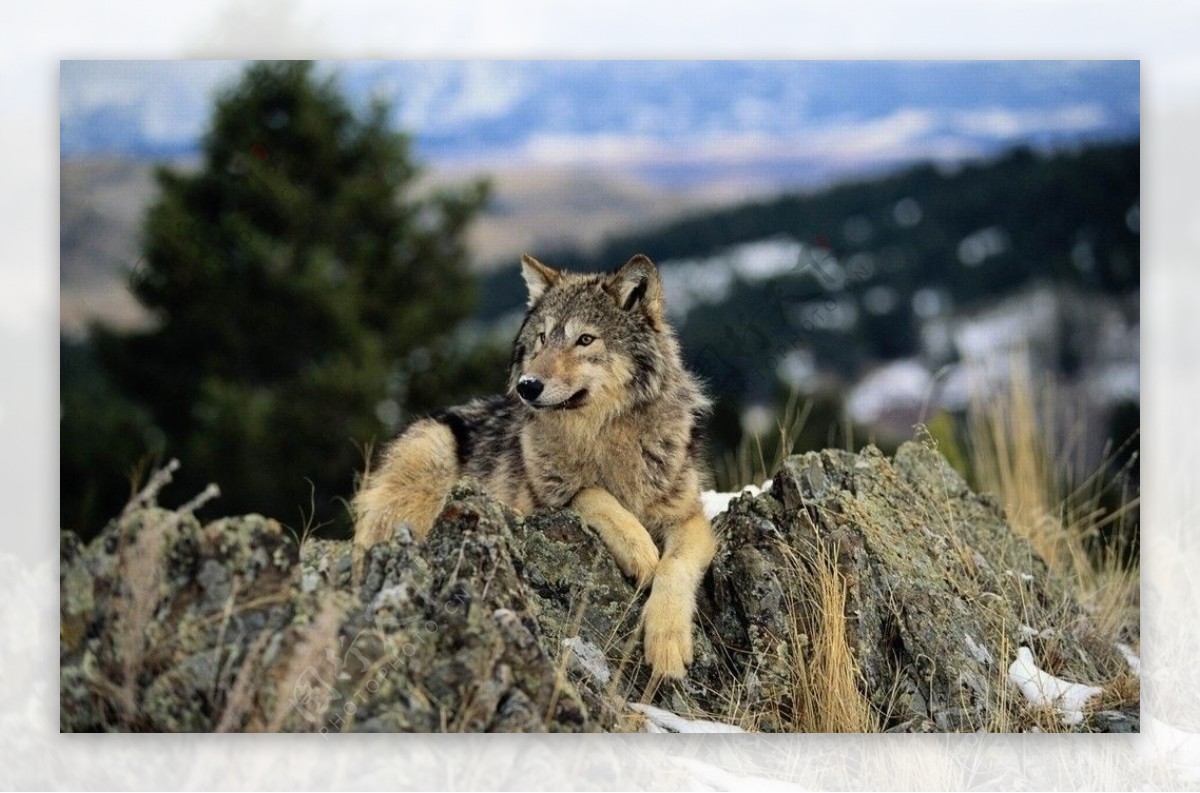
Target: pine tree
{"x": 290, "y": 278}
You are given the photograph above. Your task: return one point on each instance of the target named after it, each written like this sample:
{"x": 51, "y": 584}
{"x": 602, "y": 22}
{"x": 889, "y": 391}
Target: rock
{"x": 248, "y": 631}
{"x": 504, "y": 623}
{"x": 937, "y": 588}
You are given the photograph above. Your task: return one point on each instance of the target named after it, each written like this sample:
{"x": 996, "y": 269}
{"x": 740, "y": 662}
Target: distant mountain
{"x": 103, "y": 200}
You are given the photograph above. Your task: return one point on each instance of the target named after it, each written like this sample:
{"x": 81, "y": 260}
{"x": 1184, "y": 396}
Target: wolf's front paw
{"x": 637, "y": 557}
{"x": 668, "y": 638}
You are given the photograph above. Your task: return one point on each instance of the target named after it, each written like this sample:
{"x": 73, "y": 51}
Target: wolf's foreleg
{"x": 688, "y": 550}
{"x": 623, "y": 534}
{"x": 409, "y": 486}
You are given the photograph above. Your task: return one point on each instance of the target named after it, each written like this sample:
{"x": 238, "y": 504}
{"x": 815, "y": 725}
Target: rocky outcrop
{"x": 858, "y": 585}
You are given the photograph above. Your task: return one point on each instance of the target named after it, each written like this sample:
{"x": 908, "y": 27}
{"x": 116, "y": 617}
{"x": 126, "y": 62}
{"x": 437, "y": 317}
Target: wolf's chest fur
{"x": 636, "y": 459}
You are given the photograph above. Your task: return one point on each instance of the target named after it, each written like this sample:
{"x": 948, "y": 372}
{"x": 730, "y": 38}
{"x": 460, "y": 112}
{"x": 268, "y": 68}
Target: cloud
{"x": 435, "y": 97}
{"x": 158, "y": 102}
{"x": 904, "y": 134}
{"x": 1001, "y": 122}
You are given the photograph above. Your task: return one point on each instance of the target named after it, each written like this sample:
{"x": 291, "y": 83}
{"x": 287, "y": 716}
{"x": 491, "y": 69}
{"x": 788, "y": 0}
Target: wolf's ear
{"x": 636, "y": 284}
{"x": 538, "y": 277}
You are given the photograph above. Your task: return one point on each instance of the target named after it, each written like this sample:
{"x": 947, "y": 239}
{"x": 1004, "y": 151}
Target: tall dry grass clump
{"x": 1020, "y": 451}
{"x": 752, "y": 463}
{"x": 827, "y": 684}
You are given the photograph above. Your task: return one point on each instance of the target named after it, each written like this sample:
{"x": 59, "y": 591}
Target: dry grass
{"x": 241, "y": 699}
{"x": 1012, "y": 438}
{"x": 141, "y": 569}
{"x": 1019, "y": 452}
{"x": 141, "y": 573}
{"x": 827, "y": 684}
{"x": 315, "y": 649}
{"x": 751, "y": 464}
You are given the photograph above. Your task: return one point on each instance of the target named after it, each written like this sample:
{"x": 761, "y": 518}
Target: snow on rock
{"x": 1131, "y": 658}
{"x": 589, "y": 658}
{"x": 1029, "y": 633}
{"x": 978, "y": 651}
{"x": 715, "y": 503}
{"x": 1042, "y": 688}
{"x": 659, "y": 720}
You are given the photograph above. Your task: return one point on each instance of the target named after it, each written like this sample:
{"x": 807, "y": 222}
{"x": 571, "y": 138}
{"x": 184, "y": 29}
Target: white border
{"x": 36, "y": 36}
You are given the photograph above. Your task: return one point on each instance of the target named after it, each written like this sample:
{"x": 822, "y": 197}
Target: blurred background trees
{"x": 296, "y": 281}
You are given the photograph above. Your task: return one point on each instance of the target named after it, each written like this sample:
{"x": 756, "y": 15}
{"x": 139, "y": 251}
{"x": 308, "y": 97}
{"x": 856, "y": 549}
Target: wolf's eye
{"x": 585, "y": 340}
{"x": 541, "y": 338}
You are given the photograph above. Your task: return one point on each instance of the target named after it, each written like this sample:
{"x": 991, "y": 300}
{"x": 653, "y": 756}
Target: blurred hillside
{"x": 887, "y": 301}
{"x": 531, "y": 209}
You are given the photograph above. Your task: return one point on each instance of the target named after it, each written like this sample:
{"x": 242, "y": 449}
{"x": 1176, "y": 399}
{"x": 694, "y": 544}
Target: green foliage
{"x": 293, "y": 278}
{"x": 105, "y": 441}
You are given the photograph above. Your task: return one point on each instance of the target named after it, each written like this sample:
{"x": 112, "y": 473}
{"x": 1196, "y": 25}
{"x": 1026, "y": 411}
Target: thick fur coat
{"x": 601, "y": 417}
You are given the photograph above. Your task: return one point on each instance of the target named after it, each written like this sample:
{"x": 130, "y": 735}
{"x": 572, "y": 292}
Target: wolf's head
{"x": 595, "y": 343}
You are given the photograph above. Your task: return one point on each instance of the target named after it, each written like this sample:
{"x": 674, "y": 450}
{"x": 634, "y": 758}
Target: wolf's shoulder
{"x": 480, "y": 411}
{"x": 483, "y": 428}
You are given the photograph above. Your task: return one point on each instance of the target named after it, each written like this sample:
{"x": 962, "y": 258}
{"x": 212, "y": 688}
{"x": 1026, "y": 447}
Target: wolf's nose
{"x": 529, "y": 388}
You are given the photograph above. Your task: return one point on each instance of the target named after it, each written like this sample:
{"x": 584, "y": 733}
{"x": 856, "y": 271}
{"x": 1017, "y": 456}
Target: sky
{"x": 670, "y": 121}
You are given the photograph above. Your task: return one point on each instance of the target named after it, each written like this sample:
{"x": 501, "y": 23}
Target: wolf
{"x": 600, "y": 416}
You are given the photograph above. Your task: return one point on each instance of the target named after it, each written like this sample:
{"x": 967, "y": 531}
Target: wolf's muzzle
{"x": 529, "y": 388}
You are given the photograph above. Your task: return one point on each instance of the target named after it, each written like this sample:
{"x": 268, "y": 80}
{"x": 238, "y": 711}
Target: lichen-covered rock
{"x": 170, "y": 626}
{"x": 939, "y": 592}
{"x": 508, "y": 623}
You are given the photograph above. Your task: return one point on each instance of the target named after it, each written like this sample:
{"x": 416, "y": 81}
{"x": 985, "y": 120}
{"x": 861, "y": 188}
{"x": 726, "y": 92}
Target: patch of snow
{"x": 799, "y": 369}
{"x": 1131, "y": 658}
{"x": 977, "y": 247}
{"x": 1120, "y": 381}
{"x": 762, "y": 261}
{"x": 659, "y": 720}
{"x": 1029, "y": 319}
{"x": 978, "y": 651}
{"x": 880, "y": 300}
{"x": 929, "y": 302}
{"x": 589, "y": 658}
{"x": 706, "y": 281}
{"x": 1083, "y": 256}
{"x": 904, "y": 383}
{"x": 1042, "y": 688}
{"x": 715, "y": 503}
{"x": 907, "y": 212}
{"x": 757, "y": 420}
{"x": 1133, "y": 219}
